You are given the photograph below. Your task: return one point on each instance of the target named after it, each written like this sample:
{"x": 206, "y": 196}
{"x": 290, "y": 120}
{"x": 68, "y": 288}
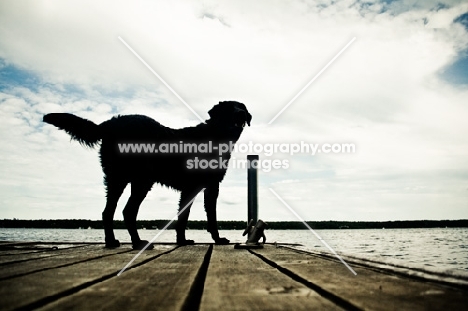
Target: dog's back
{"x": 131, "y": 149}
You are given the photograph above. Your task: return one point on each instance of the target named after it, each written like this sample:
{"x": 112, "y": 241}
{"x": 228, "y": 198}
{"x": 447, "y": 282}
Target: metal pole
{"x": 252, "y": 211}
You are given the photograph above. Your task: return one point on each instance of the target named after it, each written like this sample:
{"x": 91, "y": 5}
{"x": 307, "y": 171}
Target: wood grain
{"x": 238, "y": 280}
{"x": 370, "y": 289}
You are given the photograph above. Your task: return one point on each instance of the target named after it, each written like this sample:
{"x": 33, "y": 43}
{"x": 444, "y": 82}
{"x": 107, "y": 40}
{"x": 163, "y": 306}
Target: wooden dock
{"x": 60, "y": 276}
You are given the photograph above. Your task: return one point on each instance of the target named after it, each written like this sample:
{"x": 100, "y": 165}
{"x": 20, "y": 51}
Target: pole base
{"x": 248, "y": 246}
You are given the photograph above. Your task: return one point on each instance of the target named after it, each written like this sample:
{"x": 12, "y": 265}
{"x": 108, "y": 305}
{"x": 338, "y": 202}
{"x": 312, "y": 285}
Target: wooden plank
{"x": 13, "y": 243}
{"x": 238, "y": 280}
{"x": 369, "y": 289}
{"x": 23, "y": 256}
{"x": 36, "y": 289}
{"x": 29, "y": 248}
{"x": 56, "y": 259}
{"x": 162, "y": 284}
{"x": 14, "y": 252}
{"x": 457, "y": 279}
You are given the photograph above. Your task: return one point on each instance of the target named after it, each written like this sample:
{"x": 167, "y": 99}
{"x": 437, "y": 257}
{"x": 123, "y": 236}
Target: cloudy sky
{"x": 399, "y": 92}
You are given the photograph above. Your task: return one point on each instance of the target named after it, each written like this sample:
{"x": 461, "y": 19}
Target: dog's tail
{"x": 82, "y": 130}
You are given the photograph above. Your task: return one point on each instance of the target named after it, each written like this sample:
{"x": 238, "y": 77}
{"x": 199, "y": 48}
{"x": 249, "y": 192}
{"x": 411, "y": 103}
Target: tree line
{"x": 233, "y": 225}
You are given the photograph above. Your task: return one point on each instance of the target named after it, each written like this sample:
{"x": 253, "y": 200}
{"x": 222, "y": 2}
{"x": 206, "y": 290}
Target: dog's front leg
{"x": 211, "y": 197}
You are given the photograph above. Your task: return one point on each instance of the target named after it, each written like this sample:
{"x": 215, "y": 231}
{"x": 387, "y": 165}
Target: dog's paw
{"x": 112, "y": 243}
{"x": 185, "y": 242}
{"x": 141, "y": 245}
{"x": 221, "y": 241}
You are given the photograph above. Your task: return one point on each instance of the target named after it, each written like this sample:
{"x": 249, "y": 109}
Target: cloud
{"x": 394, "y": 93}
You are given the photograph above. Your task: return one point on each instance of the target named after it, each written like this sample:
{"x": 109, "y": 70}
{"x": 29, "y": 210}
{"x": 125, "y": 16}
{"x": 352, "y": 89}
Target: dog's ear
{"x": 248, "y": 118}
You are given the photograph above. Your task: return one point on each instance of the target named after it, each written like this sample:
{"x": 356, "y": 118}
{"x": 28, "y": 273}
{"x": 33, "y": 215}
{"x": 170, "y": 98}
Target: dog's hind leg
{"x": 130, "y": 212}
{"x": 211, "y": 197}
{"x": 186, "y": 198}
{"x": 114, "y": 191}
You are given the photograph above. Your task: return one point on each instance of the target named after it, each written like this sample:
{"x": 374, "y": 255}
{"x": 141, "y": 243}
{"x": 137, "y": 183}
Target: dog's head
{"x": 230, "y": 115}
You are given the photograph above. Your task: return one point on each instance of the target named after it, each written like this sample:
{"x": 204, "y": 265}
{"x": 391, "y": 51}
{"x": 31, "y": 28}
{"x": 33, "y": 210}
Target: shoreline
{"x": 235, "y": 225}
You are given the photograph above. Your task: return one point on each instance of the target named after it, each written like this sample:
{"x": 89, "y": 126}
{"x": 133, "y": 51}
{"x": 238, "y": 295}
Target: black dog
{"x": 175, "y": 170}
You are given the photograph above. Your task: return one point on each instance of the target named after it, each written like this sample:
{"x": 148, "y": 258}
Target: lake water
{"x": 441, "y": 249}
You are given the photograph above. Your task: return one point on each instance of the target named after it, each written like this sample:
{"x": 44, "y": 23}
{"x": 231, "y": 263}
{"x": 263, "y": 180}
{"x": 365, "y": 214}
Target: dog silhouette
{"x": 177, "y": 170}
